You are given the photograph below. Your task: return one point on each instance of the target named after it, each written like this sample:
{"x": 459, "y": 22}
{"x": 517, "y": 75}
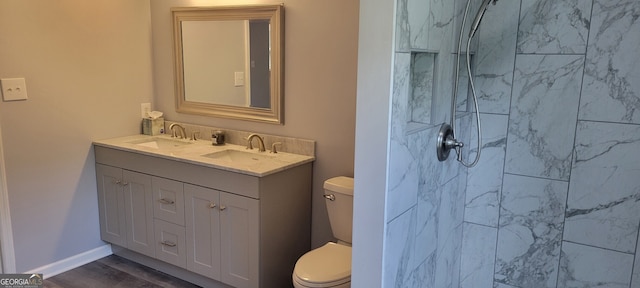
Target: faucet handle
{"x": 195, "y": 135}
{"x": 273, "y": 147}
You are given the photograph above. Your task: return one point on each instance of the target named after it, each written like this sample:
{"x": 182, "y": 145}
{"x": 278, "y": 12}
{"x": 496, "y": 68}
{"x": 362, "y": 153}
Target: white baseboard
{"x": 75, "y": 261}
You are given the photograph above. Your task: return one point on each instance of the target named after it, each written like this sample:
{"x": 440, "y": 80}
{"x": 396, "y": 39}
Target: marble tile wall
{"x": 422, "y": 68}
{"x": 542, "y": 118}
{"x": 554, "y": 201}
{"x": 531, "y": 216}
{"x": 425, "y": 198}
{"x": 478, "y": 251}
{"x": 611, "y": 91}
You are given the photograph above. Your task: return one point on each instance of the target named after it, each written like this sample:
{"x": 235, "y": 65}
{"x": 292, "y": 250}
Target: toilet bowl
{"x": 327, "y": 266}
{"x": 330, "y": 265}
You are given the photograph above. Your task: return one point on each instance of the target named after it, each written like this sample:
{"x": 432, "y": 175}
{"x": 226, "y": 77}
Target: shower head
{"x": 476, "y": 21}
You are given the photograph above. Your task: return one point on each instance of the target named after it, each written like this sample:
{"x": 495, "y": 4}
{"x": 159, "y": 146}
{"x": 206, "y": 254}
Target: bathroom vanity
{"x": 212, "y": 215}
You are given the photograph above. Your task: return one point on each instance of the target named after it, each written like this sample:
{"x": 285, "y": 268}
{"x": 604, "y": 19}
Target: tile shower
{"x": 425, "y": 198}
{"x": 555, "y": 199}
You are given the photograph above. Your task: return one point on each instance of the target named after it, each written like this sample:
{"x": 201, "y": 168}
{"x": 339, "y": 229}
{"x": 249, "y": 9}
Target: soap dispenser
{"x": 217, "y": 137}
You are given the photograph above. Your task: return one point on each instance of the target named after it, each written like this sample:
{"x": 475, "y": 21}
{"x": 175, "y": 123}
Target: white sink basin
{"x": 160, "y": 143}
{"x": 240, "y": 157}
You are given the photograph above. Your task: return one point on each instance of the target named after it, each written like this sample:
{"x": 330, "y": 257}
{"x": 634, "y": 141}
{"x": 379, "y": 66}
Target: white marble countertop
{"x": 256, "y": 163}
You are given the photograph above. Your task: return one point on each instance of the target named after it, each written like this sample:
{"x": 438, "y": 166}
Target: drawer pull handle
{"x": 168, "y": 243}
{"x": 212, "y": 205}
{"x": 222, "y": 207}
{"x": 166, "y": 201}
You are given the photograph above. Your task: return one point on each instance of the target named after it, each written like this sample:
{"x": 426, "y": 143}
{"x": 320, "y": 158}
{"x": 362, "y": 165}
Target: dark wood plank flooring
{"x": 114, "y": 272}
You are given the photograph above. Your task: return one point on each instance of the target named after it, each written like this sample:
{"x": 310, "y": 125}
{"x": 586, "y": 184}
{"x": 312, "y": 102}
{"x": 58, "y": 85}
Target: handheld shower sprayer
{"x": 479, "y": 15}
{"x": 446, "y": 137}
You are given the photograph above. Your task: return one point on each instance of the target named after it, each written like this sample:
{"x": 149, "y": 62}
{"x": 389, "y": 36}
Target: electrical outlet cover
{"x": 13, "y": 89}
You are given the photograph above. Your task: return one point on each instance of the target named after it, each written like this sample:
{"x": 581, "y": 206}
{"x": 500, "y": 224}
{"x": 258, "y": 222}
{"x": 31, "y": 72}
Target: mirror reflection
{"x": 237, "y": 73}
{"x": 228, "y": 61}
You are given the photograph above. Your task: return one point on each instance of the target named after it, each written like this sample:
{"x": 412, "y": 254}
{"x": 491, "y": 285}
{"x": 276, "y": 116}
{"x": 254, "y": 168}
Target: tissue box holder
{"x": 152, "y": 126}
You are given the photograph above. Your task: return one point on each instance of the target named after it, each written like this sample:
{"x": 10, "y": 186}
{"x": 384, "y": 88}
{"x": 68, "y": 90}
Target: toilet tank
{"x": 340, "y": 209}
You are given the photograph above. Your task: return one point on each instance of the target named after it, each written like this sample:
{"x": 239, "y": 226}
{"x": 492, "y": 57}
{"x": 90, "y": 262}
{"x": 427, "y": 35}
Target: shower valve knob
{"x": 453, "y": 143}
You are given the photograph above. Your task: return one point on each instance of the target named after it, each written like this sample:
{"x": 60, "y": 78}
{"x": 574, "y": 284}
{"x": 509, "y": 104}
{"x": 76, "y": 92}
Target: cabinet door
{"x": 138, "y": 202}
{"x": 113, "y": 225}
{"x": 168, "y": 200}
{"x": 203, "y": 230}
{"x": 239, "y": 225}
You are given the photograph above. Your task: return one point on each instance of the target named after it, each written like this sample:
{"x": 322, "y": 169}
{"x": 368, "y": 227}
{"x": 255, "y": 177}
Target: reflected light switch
{"x": 13, "y": 89}
{"x": 238, "y": 79}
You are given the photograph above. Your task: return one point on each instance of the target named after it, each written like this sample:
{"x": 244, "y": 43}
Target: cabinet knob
{"x": 212, "y": 205}
{"x": 121, "y": 183}
{"x": 222, "y": 207}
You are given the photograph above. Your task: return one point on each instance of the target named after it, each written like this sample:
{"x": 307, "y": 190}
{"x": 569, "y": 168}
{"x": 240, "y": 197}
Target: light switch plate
{"x": 13, "y": 89}
{"x": 145, "y": 108}
{"x": 238, "y": 78}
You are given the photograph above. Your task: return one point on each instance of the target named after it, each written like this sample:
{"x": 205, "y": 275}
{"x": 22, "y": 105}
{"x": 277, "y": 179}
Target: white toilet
{"x": 330, "y": 265}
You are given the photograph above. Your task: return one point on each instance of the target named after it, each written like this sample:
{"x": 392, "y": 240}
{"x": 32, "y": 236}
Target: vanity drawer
{"x": 168, "y": 200}
{"x": 170, "y": 243}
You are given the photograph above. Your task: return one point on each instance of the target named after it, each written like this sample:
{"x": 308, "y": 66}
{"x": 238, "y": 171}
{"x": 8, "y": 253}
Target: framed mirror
{"x": 229, "y": 61}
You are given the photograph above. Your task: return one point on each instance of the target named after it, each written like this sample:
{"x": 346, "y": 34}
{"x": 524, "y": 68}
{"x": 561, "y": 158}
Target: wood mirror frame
{"x": 275, "y": 14}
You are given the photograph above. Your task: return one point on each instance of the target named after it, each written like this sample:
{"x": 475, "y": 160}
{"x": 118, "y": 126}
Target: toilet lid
{"x": 328, "y": 265}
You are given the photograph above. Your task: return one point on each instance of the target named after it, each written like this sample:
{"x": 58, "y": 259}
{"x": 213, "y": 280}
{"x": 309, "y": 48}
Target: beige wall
{"x": 320, "y": 85}
{"x": 87, "y": 66}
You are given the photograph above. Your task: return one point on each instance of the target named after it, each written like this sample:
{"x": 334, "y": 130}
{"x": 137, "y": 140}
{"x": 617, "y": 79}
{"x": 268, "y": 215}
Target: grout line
{"x": 607, "y": 122}
{"x": 598, "y": 247}
{"x": 480, "y": 224}
{"x": 535, "y": 177}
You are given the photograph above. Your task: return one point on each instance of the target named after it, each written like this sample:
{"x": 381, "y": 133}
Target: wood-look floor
{"x": 114, "y": 272}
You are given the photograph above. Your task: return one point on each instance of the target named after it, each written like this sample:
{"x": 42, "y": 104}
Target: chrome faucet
{"x": 260, "y": 141}
{"x": 183, "y": 133}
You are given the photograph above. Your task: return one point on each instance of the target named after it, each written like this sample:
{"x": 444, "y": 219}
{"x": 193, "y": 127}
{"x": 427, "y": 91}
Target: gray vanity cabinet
{"x": 222, "y": 232}
{"x": 125, "y": 207}
{"x": 239, "y": 240}
{"x": 113, "y": 225}
{"x": 215, "y": 228}
{"x": 203, "y": 230}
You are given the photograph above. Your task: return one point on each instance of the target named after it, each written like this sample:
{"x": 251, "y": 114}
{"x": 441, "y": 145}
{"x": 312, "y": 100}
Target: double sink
{"x": 236, "y": 158}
